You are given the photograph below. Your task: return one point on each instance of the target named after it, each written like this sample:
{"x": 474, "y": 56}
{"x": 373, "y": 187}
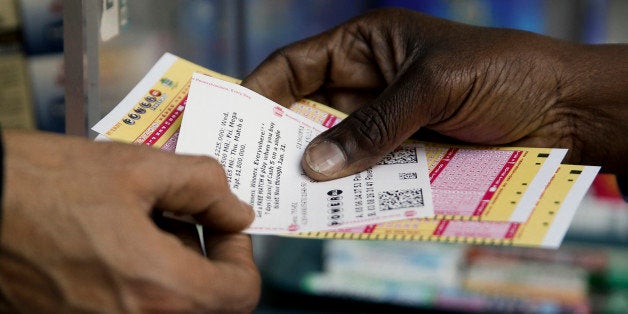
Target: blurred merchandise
{"x": 42, "y": 44}
{"x": 46, "y": 74}
{"x": 603, "y": 214}
{"x": 402, "y": 261}
{"x": 574, "y": 279}
{"x": 526, "y": 278}
{"x": 8, "y": 16}
{"x": 42, "y": 26}
{"x": 16, "y": 108}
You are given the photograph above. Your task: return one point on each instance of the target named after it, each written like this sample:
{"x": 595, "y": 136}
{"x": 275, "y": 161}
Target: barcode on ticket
{"x": 403, "y": 155}
{"x": 408, "y": 176}
{"x": 399, "y": 199}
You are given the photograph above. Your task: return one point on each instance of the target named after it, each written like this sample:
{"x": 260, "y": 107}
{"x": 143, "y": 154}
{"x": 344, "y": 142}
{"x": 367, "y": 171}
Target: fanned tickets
{"x": 503, "y": 195}
{"x": 498, "y": 218}
{"x": 260, "y": 145}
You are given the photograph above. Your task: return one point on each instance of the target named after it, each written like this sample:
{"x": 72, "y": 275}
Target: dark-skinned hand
{"x": 399, "y": 72}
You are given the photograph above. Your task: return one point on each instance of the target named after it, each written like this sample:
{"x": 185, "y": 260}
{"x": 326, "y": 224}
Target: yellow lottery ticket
{"x": 151, "y": 113}
{"x": 546, "y": 226}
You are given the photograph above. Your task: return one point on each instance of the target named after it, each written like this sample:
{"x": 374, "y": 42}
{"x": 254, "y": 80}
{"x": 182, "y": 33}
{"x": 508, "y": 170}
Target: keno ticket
{"x": 260, "y": 145}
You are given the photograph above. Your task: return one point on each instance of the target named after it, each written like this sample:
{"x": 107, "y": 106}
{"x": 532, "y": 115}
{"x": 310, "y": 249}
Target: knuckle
{"x": 211, "y": 167}
{"x": 215, "y": 167}
{"x": 284, "y": 56}
{"x": 373, "y": 127}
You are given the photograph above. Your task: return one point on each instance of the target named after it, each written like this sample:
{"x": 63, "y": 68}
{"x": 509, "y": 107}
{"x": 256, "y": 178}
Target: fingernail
{"x": 325, "y": 158}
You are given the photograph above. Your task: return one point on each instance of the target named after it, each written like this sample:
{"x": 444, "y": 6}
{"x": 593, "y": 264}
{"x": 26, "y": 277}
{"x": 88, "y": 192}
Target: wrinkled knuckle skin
{"x": 370, "y": 130}
{"x": 212, "y": 167}
{"x": 283, "y": 56}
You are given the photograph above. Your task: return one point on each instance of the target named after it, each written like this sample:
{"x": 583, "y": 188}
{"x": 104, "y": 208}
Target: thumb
{"x": 367, "y": 135}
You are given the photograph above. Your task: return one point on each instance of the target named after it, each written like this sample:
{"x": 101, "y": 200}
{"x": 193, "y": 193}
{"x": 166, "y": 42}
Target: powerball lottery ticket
{"x": 151, "y": 113}
{"x": 546, "y": 227}
{"x": 260, "y": 145}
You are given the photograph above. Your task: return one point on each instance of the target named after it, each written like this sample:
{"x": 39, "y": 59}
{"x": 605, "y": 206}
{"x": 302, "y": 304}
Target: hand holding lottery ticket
{"x": 77, "y": 234}
{"x": 399, "y": 71}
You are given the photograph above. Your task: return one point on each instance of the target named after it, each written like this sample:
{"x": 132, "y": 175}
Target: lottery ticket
{"x": 260, "y": 145}
{"x": 151, "y": 113}
{"x": 546, "y": 226}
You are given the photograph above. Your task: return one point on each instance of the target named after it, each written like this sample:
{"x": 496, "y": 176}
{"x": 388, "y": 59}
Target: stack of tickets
{"x": 419, "y": 192}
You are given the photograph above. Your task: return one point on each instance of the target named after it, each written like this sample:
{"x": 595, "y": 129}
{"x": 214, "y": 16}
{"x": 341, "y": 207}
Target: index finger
{"x": 197, "y": 185}
{"x": 292, "y": 72}
{"x": 364, "y": 53}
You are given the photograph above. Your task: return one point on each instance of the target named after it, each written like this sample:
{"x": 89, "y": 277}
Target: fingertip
{"x": 248, "y": 209}
{"x": 233, "y": 215}
{"x": 243, "y": 219}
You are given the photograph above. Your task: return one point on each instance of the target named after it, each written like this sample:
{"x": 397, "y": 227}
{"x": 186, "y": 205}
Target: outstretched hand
{"x": 398, "y": 72}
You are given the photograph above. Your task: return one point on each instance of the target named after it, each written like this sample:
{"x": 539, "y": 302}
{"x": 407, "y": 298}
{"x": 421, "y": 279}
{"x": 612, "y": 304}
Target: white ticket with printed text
{"x": 260, "y": 144}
